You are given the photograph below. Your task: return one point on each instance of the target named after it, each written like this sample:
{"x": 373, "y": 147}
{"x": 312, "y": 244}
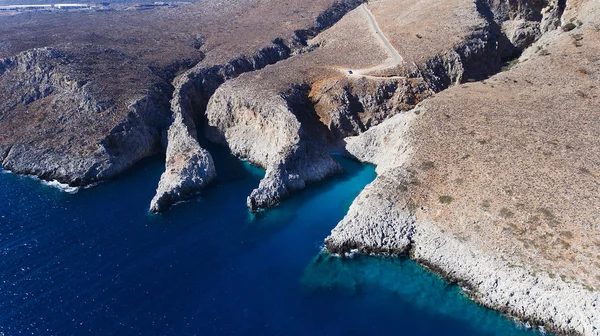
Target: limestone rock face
{"x": 565, "y": 308}
{"x": 73, "y": 132}
{"x": 189, "y": 167}
{"x": 278, "y": 133}
{"x": 523, "y": 22}
{"x": 377, "y": 222}
{"x": 351, "y": 106}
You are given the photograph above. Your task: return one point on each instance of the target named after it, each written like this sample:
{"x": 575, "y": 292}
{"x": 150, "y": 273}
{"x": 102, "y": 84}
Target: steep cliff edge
{"x": 340, "y": 95}
{"x": 83, "y": 132}
{"x": 112, "y": 108}
{"x": 196, "y": 86}
{"x": 278, "y": 133}
{"x": 189, "y": 166}
{"x": 488, "y": 184}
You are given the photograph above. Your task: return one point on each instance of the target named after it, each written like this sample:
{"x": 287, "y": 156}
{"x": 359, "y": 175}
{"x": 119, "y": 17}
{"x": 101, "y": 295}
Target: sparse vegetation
{"x": 569, "y": 26}
{"x": 427, "y": 165}
{"x": 547, "y": 213}
{"x": 412, "y": 206}
{"x": 567, "y": 234}
{"x": 544, "y": 52}
{"x": 564, "y": 244}
{"x": 445, "y": 199}
{"x": 505, "y": 213}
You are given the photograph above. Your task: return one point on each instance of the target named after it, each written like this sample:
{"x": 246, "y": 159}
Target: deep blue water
{"x": 97, "y": 263}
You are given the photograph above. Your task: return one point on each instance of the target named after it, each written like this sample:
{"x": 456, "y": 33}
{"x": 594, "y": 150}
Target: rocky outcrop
{"x": 523, "y": 22}
{"x": 189, "y": 167}
{"x": 278, "y": 133}
{"x": 80, "y": 136}
{"x": 379, "y": 220}
{"x": 350, "y": 106}
{"x": 197, "y": 86}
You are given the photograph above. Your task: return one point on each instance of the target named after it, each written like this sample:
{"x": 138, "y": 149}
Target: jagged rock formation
{"x": 525, "y": 21}
{"x": 277, "y": 133}
{"x": 189, "y": 166}
{"x": 487, "y": 184}
{"x": 351, "y": 106}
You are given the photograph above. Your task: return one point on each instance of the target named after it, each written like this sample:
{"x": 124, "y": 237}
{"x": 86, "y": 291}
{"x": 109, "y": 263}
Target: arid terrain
{"x": 482, "y": 117}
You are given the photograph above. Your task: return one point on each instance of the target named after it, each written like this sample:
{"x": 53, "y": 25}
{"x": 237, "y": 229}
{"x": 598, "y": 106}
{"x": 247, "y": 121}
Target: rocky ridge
{"x": 189, "y": 167}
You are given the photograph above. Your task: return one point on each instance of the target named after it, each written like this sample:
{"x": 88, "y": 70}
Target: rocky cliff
{"x": 487, "y": 184}
{"x": 197, "y": 85}
{"x": 278, "y": 133}
{"x": 81, "y": 134}
{"x": 274, "y": 116}
{"x": 94, "y": 103}
{"x": 189, "y": 167}
{"x": 482, "y": 119}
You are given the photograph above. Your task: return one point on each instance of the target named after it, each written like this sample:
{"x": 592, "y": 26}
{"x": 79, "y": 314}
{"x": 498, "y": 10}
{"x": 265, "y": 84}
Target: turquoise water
{"x": 97, "y": 263}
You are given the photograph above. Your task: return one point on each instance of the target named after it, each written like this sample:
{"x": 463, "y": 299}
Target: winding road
{"x": 395, "y": 60}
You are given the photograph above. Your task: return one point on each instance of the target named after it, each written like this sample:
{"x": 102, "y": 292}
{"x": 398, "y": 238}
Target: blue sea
{"x": 97, "y": 263}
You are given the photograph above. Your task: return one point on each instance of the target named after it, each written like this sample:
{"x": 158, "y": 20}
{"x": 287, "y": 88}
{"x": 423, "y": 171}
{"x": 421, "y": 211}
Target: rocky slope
{"x": 85, "y": 95}
{"x": 191, "y": 95}
{"x": 75, "y": 131}
{"x": 324, "y": 89}
{"x": 488, "y": 183}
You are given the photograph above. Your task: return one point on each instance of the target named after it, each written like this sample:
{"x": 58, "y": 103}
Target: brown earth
{"x": 512, "y": 163}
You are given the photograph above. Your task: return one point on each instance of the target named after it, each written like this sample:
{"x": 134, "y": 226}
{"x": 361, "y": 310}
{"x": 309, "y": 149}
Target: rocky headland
{"x": 494, "y": 185}
{"x": 482, "y": 118}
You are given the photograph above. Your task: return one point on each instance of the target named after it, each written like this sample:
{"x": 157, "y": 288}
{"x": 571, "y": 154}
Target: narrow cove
{"x": 97, "y": 262}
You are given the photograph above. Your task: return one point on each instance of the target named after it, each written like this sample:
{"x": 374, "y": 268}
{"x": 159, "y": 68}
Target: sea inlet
{"x": 96, "y": 262}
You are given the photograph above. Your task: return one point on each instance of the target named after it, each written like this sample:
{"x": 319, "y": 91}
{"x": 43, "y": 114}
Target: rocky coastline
{"x": 480, "y": 174}
{"x": 433, "y": 199}
{"x": 195, "y": 89}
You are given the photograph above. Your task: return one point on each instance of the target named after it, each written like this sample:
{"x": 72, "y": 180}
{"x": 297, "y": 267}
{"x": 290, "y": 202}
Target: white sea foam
{"x": 54, "y": 183}
{"x": 61, "y": 186}
{"x": 352, "y": 253}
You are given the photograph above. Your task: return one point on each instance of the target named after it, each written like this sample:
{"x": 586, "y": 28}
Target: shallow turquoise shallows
{"x": 96, "y": 262}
